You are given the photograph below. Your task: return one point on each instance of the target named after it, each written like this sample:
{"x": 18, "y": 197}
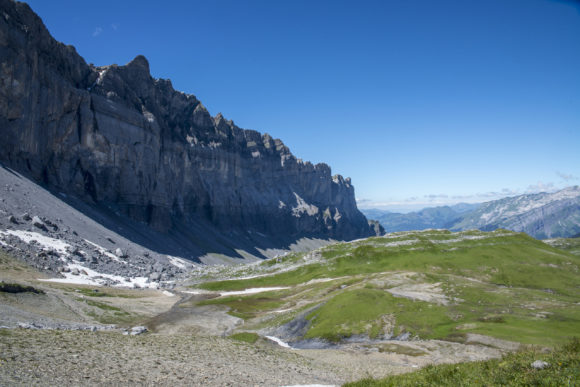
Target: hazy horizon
{"x": 414, "y": 206}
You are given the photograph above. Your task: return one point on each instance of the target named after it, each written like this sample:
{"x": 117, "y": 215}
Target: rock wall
{"x": 116, "y": 136}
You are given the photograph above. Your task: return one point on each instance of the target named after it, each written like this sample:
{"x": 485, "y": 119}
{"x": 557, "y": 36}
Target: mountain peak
{"x": 139, "y": 63}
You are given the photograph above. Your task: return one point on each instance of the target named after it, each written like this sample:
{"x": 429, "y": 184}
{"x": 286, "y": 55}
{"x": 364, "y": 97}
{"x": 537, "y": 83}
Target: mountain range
{"x": 431, "y": 217}
{"x": 541, "y": 215}
{"x": 131, "y": 145}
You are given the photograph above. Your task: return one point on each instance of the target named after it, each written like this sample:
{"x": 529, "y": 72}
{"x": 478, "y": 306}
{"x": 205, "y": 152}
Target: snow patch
{"x": 104, "y": 251}
{"x": 46, "y": 242}
{"x": 95, "y": 278}
{"x": 250, "y": 291}
{"x": 279, "y": 342}
{"x": 235, "y": 292}
{"x": 74, "y": 280}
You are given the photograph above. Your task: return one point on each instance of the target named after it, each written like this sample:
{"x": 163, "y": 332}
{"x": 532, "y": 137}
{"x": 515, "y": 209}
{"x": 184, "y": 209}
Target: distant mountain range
{"x": 542, "y": 215}
{"x": 433, "y": 217}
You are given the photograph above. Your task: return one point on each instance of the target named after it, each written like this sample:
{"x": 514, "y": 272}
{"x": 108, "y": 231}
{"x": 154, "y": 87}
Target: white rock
{"x": 540, "y": 364}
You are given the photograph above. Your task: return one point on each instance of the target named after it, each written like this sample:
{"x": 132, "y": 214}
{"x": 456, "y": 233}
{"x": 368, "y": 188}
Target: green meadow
{"x": 430, "y": 284}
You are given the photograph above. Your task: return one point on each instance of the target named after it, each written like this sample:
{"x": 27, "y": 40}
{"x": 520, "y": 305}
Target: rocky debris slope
{"x": 117, "y": 137}
{"x": 52, "y": 236}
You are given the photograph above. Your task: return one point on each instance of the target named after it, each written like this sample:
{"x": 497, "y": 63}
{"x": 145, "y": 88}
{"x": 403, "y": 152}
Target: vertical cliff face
{"x": 116, "y": 136}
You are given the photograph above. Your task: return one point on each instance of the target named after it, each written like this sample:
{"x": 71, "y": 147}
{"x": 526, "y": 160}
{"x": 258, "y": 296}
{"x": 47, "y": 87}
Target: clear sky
{"x": 420, "y": 102}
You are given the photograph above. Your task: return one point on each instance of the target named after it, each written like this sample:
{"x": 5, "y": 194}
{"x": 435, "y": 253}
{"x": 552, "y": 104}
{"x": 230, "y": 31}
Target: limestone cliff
{"x": 117, "y": 137}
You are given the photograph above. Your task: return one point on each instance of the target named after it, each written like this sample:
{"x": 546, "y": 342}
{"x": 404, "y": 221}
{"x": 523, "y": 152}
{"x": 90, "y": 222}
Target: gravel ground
{"x": 52, "y": 357}
{"x": 105, "y": 358}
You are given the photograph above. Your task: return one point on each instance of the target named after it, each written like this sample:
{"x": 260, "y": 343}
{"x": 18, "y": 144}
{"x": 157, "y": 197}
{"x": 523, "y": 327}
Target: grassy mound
{"x": 246, "y": 337}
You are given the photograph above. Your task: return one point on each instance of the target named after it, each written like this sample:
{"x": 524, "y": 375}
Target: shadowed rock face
{"x": 115, "y": 136}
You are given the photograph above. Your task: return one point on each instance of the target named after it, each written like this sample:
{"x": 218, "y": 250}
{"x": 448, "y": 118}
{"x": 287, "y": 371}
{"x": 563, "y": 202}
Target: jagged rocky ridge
{"x": 116, "y": 137}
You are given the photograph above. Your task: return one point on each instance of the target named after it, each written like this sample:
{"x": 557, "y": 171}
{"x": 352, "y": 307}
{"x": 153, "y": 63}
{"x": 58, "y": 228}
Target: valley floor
{"x": 50, "y": 357}
{"x": 212, "y": 329}
{"x": 44, "y": 357}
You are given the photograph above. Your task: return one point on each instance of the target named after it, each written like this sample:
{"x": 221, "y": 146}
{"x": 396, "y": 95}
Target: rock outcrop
{"x": 116, "y": 137}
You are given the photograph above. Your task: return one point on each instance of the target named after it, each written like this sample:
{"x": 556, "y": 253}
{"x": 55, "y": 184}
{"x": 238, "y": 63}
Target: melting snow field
{"x": 88, "y": 276}
{"x": 103, "y": 251}
{"x": 250, "y": 291}
{"x": 278, "y": 341}
{"x": 46, "y": 242}
{"x": 237, "y": 292}
{"x": 85, "y": 276}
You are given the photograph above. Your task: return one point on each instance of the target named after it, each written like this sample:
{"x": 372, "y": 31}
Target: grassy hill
{"x": 431, "y": 284}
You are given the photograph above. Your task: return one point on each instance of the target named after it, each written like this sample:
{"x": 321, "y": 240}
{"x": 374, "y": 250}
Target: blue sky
{"x": 420, "y": 102}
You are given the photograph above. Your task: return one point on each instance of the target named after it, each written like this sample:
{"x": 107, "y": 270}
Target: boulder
{"x": 120, "y": 253}
{"x": 139, "y": 330}
{"x": 540, "y": 365}
{"x": 37, "y": 222}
